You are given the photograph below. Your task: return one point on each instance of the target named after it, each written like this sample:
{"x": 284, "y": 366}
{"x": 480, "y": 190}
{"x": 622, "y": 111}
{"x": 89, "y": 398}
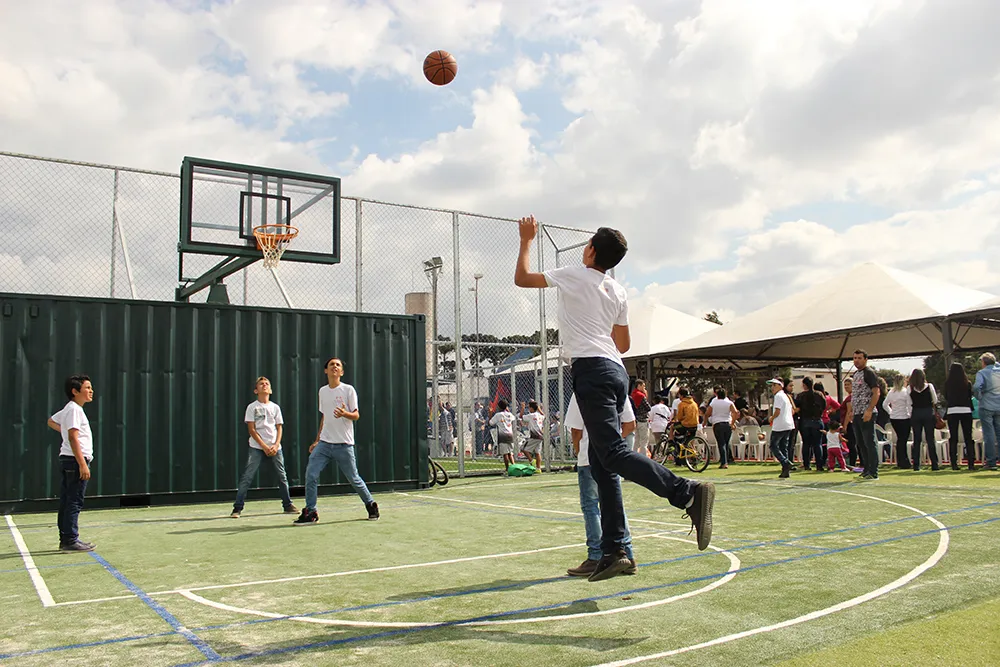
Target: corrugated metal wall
{"x": 172, "y": 382}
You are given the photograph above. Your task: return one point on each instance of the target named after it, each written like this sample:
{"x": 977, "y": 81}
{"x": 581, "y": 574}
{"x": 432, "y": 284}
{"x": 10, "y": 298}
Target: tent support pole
{"x": 840, "y": 381}
{"x": 949, "y": 345}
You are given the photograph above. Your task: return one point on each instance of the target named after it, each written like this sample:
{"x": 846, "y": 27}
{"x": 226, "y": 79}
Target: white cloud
{"x": 693, "y": 123}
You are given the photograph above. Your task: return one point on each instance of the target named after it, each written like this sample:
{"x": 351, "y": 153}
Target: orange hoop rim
{"x": 261, "y": 233}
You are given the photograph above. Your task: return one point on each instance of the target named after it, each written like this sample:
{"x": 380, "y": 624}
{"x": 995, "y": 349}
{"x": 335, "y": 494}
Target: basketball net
{"x": 272, "y": 241}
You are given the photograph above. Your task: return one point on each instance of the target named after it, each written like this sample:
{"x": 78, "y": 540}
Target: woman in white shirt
{"x": 722, "y": 414}
{"x": 900, "y": 408}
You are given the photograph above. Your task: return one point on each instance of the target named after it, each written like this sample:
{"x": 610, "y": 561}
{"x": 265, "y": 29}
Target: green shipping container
{"x": 172, "y": 382}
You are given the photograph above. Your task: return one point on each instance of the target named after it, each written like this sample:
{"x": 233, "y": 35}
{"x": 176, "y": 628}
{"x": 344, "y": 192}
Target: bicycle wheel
{"x": 696, "y": 456}
{"x": 661, "y": 452}
{"x": 431, "y": 473}
{"x": 441, "y": 475}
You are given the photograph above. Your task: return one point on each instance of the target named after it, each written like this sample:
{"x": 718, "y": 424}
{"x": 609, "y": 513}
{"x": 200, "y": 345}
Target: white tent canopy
{"x": 657, "y": 327}
{"x": 887, "y": 312}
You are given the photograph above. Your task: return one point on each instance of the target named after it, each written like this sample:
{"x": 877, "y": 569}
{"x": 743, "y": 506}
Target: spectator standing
{"x": 987, "y": 389}
{"x": 958, "y": 395}
{"x": 900, "y": 409}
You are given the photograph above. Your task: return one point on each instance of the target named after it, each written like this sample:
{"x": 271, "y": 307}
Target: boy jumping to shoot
{"x": 338, "y": 405}
{"x": 593, "y": 327}
{"x": 264, "y": 422}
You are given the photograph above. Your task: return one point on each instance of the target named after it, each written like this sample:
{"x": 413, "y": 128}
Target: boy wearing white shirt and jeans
{"x": 593, "y": 327}
{"x": 75, "y": 455}
{"x": 338, "y": 403}
{"x": 264, "y": 422}
{"x": 589, "y": 499}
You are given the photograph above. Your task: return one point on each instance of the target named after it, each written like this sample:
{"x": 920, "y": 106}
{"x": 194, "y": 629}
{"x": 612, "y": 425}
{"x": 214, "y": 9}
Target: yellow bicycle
{"x": 686, "y": 446}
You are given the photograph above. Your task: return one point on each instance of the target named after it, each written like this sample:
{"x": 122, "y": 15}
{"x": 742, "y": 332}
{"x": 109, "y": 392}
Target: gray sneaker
{"x": 700, "y": 513}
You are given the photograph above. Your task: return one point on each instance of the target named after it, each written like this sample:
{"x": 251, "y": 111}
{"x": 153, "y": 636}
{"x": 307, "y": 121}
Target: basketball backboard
{"x": 222, "y": 202}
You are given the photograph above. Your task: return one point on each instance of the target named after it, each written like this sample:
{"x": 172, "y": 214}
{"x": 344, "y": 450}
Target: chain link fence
{"x": 91, "y": 230}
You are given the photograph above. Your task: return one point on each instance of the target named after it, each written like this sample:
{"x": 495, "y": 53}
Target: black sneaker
{"x": 76, "y": 546}
{"x": 632, "y": 568}
{"x": 700, "y": 513}
{"x": 610, "y": 566}
{"x": 307, "y": 518}
{"x": 784, "y": 472}
{"x": 372, "y": 511}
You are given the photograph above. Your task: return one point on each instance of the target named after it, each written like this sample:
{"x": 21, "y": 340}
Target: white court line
{"x": 734, "y": 566}
{"x": 847, "y": 604}
{"x": 536, "y": 509}
{"x": 181, "y": 591}
{"x": 29, "y": 565}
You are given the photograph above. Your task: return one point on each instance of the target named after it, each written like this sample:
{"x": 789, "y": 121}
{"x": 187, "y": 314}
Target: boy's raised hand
{"x": 528, "y": 228}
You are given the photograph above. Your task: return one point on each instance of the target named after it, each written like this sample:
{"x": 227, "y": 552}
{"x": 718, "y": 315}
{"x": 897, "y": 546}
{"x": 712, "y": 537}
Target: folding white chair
{"x": 753, "y": 441}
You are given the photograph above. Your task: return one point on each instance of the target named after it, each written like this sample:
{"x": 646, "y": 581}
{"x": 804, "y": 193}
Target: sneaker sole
{"x": 307, "y": 523}
{"x": 612, "y": 570}
{"x": 580, "y": 575}
{"x": 705, "y": 530}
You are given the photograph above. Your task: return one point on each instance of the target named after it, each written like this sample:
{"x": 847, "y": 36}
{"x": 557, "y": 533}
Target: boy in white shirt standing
{"x": 534, "y": 421}
{"x": 589, "y": 499}
{"x": 75, "y": 456}
{"x": 338, "y": 403}
{"x": 504, "y": 421}
{"x": 264, "y": 422}
{"x": 593, "y": 327}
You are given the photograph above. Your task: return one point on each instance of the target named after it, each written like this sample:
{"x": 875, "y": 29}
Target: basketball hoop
{"x": 272, "y": 241}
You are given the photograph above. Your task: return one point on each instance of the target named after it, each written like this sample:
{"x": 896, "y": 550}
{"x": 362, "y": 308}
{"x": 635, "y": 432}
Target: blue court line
{"x": 171, "y": 620}
{"x": 499, "y": 615}
{"x": 51, "y": 567}
{"x": 666, "y": 561}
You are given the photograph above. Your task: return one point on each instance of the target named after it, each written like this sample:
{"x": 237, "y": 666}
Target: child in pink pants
{"x": 834, "y": 453}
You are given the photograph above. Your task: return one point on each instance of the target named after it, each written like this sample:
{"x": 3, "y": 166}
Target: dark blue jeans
{"x": 781, "y": 444}
{"x": 254, "y": 459}
{"x": 864, "y": 438}
{"x": 71, "y": 490}
{"x": 812, "y": 442}
{"x": 601, "y": 389}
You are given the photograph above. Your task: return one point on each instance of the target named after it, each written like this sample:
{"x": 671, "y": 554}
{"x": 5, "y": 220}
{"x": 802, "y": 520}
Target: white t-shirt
{"x": 590, "y": 304}
{"x": 535, "y": 423}
{"x": 833, "y": 440}
{"x": 505, "y": 422}
{"x": 721, "y": 410}
{"x": 265, "y": 418}
{"x": 574, "y": 419}
{"x": 785, "y": 421}
{"x": 899, "y": 404}
{"x": 659, "y": 417}
{"x": 674, "y": 405}
{"x": 339, "y": 431}
{"x": 73, "y": 416}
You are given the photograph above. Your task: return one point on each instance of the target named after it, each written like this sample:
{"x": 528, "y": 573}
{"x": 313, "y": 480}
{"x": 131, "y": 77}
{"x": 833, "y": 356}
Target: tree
{"x": 888, "y": 374}
{"x": 713, "y": 317}
{"x": 936, "y": 372}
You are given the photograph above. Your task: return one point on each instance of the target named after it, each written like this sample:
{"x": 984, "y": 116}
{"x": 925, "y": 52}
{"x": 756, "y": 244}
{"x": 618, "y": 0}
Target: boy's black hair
{"x": 75, "y": 383}
{"x": 609, "y": 246}
{"x": 834, "y": 425}
{"x": 501, "y": 405}
{"x": 721, "y": 392}
{"x": 532, "y": 405}
{"x": 683, "y": 392}
{"x": 331, "y": 359}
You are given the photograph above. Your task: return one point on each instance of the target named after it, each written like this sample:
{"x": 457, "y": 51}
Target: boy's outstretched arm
{"x": 523, "y": 277}
{"x": 622, "y": 337}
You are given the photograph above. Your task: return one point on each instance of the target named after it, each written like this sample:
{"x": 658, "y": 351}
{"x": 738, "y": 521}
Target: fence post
{"x": 563, "y": 434}
{"x": 459, "y": 395}
{"x": 543, "y": 335}
{"x": 114, "y": 233}
{"x": 358, "y": 303}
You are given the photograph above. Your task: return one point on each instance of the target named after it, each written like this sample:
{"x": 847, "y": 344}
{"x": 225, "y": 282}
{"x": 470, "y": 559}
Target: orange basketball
{"x": 440, "y": 68}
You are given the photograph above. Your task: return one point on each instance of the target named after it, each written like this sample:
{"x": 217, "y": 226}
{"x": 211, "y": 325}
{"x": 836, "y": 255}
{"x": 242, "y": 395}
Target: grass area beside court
{"x": 474, "y": 572}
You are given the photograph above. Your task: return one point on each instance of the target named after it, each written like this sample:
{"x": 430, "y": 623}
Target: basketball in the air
{"x": 440, "y": 68}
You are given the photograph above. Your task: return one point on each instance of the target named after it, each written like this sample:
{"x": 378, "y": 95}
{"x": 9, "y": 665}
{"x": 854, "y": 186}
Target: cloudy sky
{"x": 745, "y": 148}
